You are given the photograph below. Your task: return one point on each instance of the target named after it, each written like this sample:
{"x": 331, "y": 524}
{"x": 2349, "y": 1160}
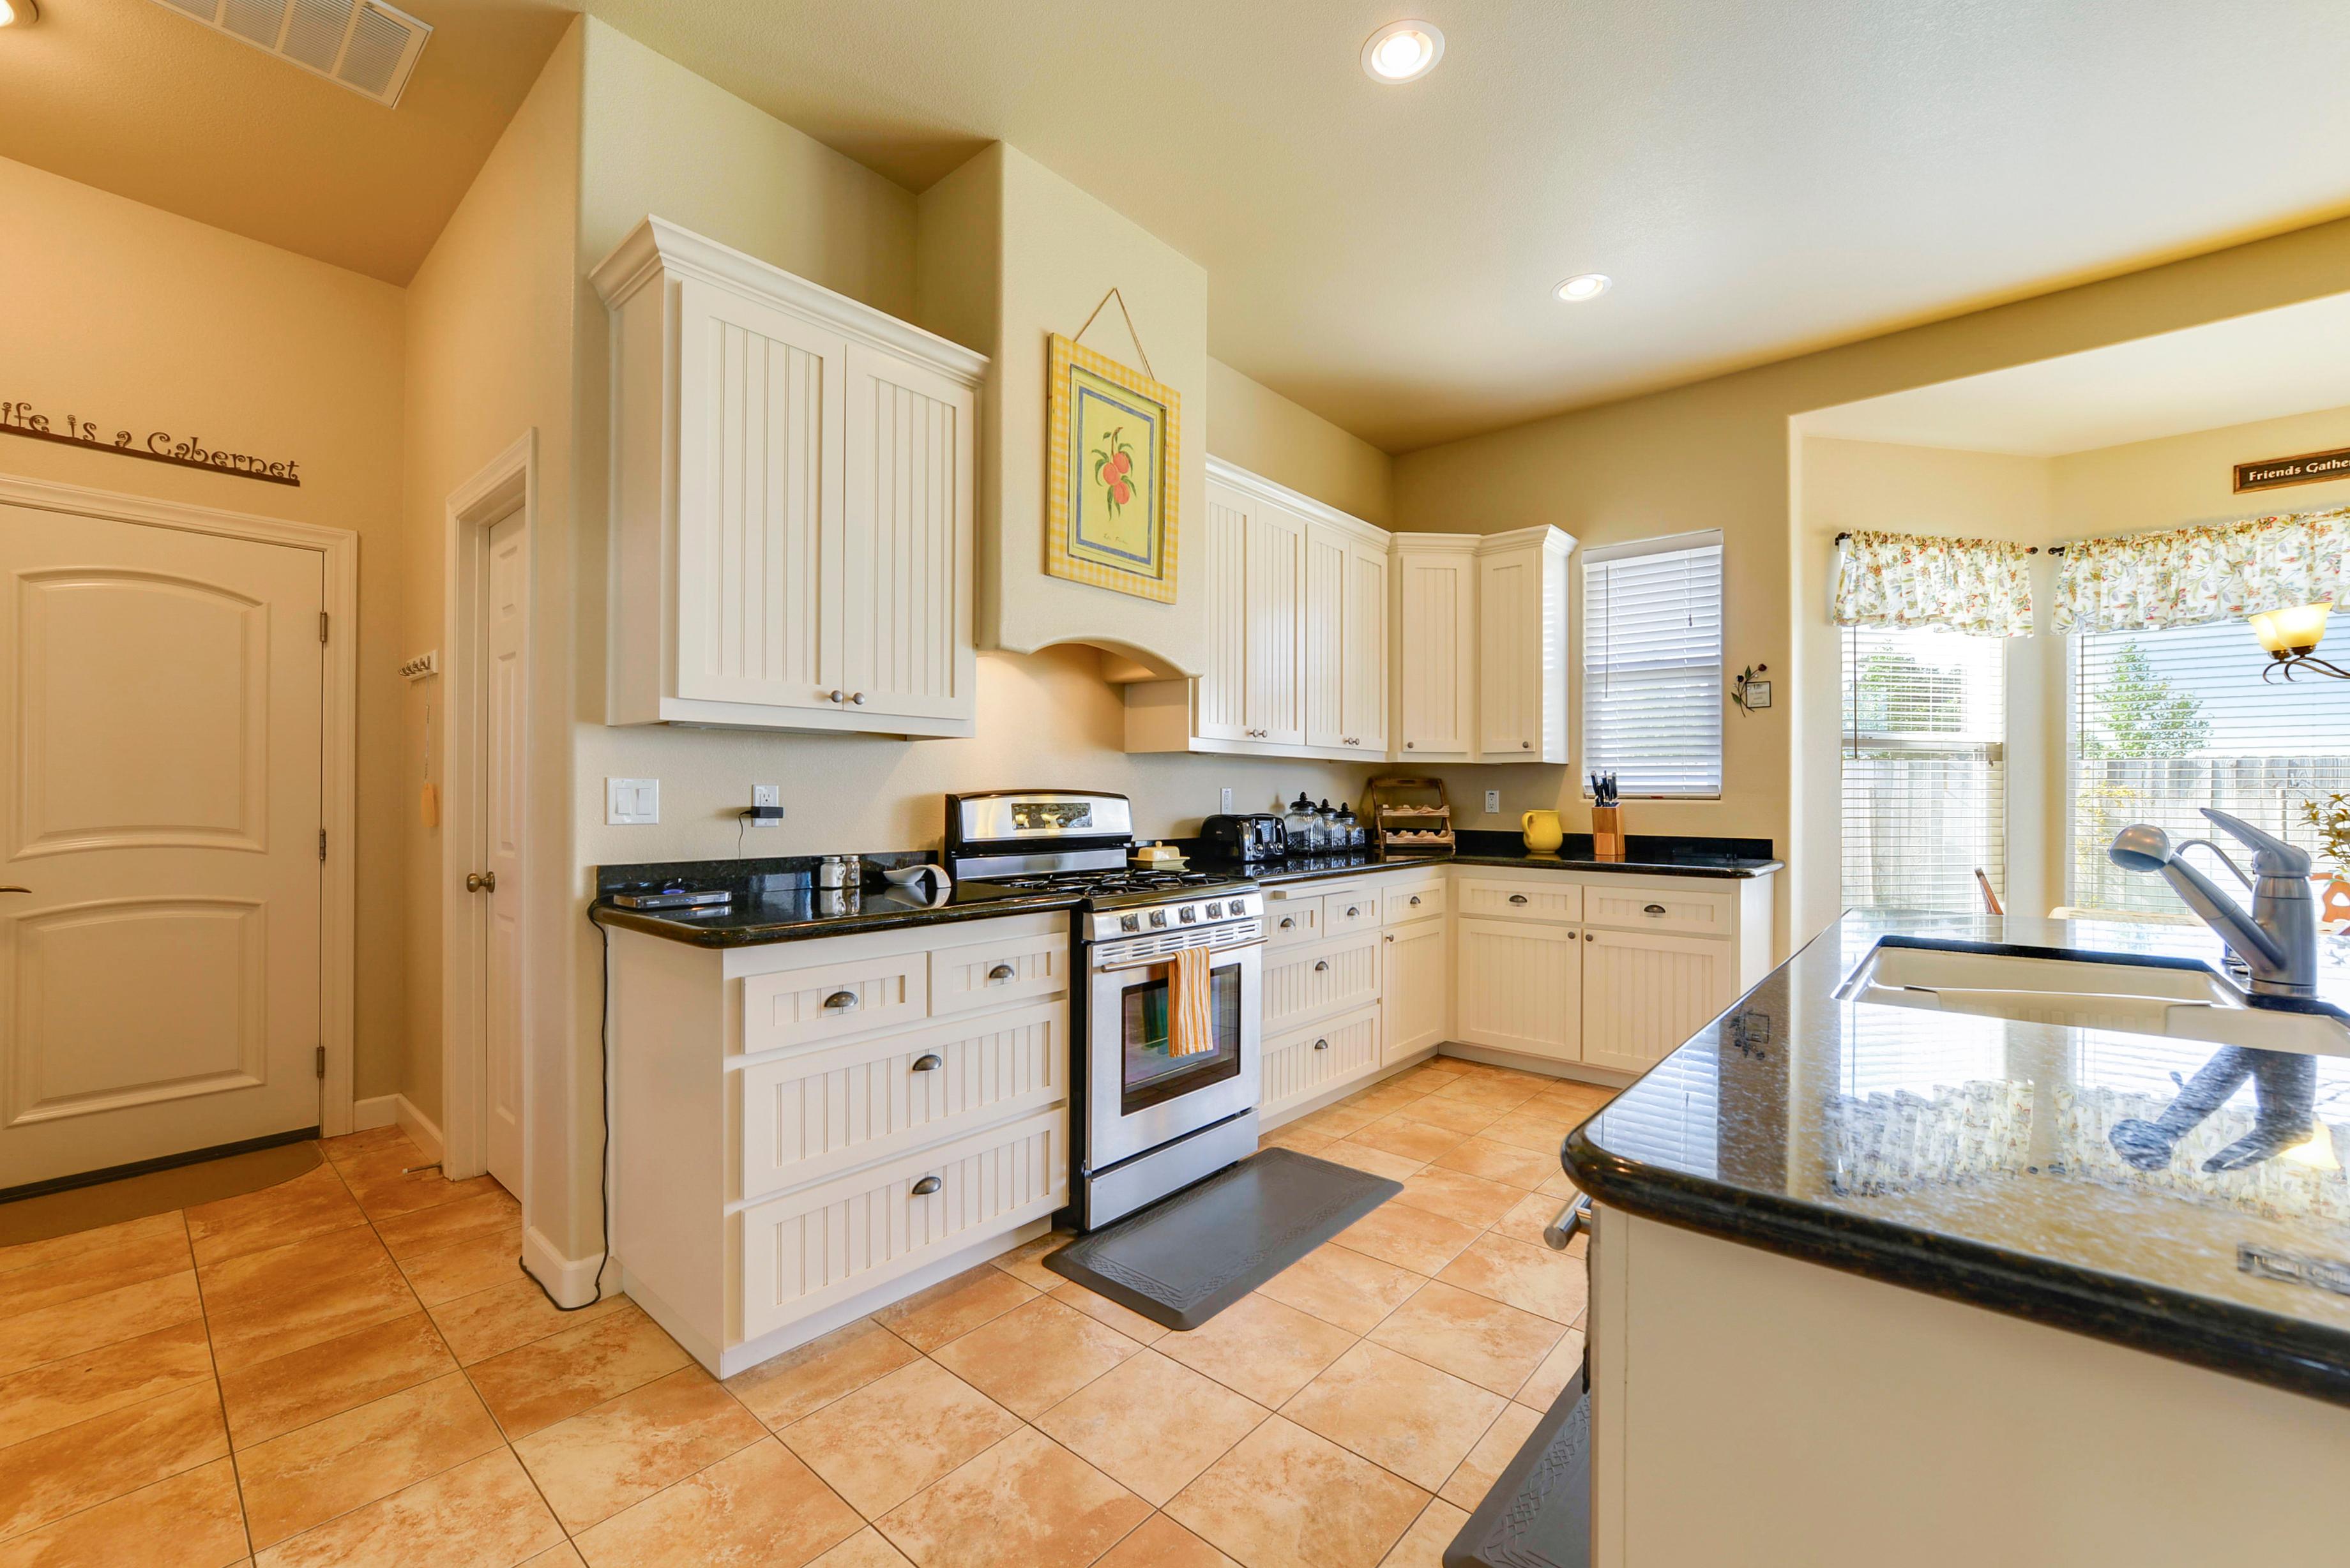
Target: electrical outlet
{"x": 631, "y": 801}
{"x": 1224, "y": 802}
{"x": 1493, "y": 802}
{"x": 767, "y": 795}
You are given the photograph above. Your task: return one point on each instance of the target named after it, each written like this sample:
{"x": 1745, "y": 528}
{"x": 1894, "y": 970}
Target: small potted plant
{"x": 2332, "y": 820}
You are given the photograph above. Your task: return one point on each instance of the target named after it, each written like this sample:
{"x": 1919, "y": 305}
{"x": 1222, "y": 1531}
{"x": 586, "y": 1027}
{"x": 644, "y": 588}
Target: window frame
{"x": 1660, "y": 545}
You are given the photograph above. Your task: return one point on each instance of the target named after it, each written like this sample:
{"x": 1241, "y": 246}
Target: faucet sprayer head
{"x": 2141, "y": 847}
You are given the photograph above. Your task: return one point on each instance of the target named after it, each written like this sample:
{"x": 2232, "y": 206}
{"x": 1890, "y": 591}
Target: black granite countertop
{"x": 1991, "y": 1162}
{"x": 1643, "y": 856}
{"x": 772, "y": 905}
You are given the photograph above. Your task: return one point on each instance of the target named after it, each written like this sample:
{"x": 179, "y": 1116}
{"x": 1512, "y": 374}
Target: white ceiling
{"x": 2260, "y": 367}
{"x": 1759, "y": 179}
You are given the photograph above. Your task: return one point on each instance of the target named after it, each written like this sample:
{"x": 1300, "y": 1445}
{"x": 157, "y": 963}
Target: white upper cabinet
{"x": 793, "y": 489}
{"x": 1297, "y": 661}
{"x": 1522, "y": 646}
{"x": 1435, "y": 666}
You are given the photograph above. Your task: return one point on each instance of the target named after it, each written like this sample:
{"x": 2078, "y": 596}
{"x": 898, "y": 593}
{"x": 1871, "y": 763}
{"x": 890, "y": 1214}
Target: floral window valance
{"x": 1980, "y": 586}
{"x": 2190, "y": 576}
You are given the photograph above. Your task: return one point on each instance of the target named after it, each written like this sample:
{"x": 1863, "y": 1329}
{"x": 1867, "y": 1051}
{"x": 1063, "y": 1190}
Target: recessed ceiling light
{"x": 1583, "y": 285}
{"x": 18, "y": 13}
{"x": 1403, "y": 51}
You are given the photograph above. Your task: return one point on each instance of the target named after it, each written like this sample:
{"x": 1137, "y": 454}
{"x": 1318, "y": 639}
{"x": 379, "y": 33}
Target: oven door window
{"x": 1149, "y": 1073}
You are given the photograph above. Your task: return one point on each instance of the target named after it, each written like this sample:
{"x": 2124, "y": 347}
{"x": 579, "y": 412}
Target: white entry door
{"x": 160, "y": 714}
{"x": 505, "y": 584}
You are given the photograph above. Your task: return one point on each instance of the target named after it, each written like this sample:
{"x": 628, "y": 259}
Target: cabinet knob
{"x": 1409, "y": 745}
{"x": 1517, "y": 898}
{"x": 1525, "y": 745}
{"x": 929, "y": 1061}
{"x": 1321, "y": 1044}
{"x": 1320, "y": 965}
{"x": 1001, "y": 972}
{"x": 836, "y": 696}
{"x": 843, "y": 1001}
{"x": 1390, "y": 936}
{"x": 481, "y": 881}
{"x": 1589, "y": 937}
{"x": 927, "y": 1186}
{"x": 857, "y": 697}
{"x": 1652, "y": 909}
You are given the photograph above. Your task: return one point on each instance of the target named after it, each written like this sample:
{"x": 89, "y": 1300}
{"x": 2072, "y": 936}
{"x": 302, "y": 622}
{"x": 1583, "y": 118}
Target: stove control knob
{"x": 1188, "y": 914}
{"x": 1157, "y": 917}
{"x": 1214, "y": 910}
{"x": 1129, "y": 922}
{"x": 1237, "y": 908}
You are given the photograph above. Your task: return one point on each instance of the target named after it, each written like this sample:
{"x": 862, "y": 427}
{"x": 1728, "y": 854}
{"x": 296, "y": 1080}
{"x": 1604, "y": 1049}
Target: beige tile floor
{"x": 350, "y": 1368}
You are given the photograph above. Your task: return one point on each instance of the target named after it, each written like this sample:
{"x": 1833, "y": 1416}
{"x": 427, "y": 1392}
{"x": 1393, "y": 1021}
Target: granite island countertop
{"x": 1973, "y": 1157}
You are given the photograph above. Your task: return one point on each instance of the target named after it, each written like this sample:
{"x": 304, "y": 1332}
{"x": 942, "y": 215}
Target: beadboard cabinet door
{"x": 1416, "y": 988}
{"x": 1363, "y": 661}
{"x": 1435, "y": 660}
{"x": 1223, "y": 699}
{"x": 1522, "y": 646}
{"x": 1521, "y": 987}
{"x": 1272, "y": 599}
{"x": 1645, "y": 993}
{"x": 793, "y": 500}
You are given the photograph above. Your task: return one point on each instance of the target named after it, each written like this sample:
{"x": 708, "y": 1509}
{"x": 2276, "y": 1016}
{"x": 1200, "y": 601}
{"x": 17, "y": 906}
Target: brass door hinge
{"x": 322, "y": 844}
{"x": 322, "y": 626}
{"x": 322, "y": 1060}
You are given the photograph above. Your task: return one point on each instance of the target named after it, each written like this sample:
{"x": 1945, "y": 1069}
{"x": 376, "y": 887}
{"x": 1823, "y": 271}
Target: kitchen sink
{"x": 2177, "y": 998}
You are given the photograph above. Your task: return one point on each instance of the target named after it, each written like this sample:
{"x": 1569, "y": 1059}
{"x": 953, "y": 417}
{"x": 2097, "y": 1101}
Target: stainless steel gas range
{"x": 1146, "y": 1123}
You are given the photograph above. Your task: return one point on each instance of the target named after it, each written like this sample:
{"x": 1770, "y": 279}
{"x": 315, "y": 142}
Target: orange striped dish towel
{"x": 1191, "y": 1022}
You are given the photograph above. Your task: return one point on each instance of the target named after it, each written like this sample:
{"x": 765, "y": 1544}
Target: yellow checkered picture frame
{"x": 1113, "y": 458}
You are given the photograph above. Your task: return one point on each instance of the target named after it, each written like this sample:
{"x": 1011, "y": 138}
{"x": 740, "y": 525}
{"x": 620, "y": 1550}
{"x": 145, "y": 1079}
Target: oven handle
{"x": 1102, "y": 967}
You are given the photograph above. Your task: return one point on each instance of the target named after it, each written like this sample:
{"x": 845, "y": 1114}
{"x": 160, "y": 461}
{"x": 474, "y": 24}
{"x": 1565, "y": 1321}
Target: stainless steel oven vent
{"x": 363, "y": 45}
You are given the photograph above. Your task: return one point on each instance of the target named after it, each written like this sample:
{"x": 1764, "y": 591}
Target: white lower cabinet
{"x": 1521, "y": 987}
{"x": 1645, "y": 992}
{"x": 1416, "y": 987}
{"x": 1334, "y": 1051}
{"x": 802, "y": 1131}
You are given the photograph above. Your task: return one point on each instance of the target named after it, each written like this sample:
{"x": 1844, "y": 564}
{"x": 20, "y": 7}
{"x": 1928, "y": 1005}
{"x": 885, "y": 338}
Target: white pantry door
{"x": 504, "y": 625}
{"x": 161, "y": 698}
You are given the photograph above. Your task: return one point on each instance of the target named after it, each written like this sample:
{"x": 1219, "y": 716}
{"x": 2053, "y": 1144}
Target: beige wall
{"x": 1251, "y": 424}
{"x": 1719, "y": 454}
{"x": 490, "y": 360}
{"x": 123, "y": 313}
{"x": 2179, "y": 480}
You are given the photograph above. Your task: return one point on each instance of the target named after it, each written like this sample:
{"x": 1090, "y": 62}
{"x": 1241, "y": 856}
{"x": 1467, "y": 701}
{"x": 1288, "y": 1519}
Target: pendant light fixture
{"x": 2292, "y": 637}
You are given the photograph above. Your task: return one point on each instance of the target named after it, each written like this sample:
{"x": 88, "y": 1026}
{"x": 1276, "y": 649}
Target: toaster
{"x": 1254, "y": 837}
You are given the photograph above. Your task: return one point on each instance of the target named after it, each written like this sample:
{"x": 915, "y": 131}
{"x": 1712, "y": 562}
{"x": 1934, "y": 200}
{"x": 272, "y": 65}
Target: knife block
{"x": 1608, "y": 833}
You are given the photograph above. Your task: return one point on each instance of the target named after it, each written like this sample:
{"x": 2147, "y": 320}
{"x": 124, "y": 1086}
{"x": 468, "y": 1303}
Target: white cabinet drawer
{"x": 1691, "y": 911}
{"x": 813, "y": 1114}
{"x": 1355, "y": 911}
{"x": 1311, "y": 1060}
{"x": 1291, "y": 921}
{"x": 1401, "y": 901}
{"x": 803, "y": 1252}
{"x": 1512, "y": 899}
{"x": 1327, "y": 978}
{"x": 991, "y": 974}
{"x": 855, "y": 996}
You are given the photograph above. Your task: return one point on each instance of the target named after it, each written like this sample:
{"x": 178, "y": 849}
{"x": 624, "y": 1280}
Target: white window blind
{"x": 1652, "y": 686}
{"x": 2166, "y": 723}
{"x": 1924, "y": 769}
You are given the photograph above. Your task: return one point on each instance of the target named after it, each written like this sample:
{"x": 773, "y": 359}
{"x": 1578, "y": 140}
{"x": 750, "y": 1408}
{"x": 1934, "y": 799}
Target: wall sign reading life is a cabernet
{"x": 2309, "y": 468}
{"x": 21, "y": 419}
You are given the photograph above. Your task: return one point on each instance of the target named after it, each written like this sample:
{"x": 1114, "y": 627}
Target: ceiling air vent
{"x": 368, "y": 46}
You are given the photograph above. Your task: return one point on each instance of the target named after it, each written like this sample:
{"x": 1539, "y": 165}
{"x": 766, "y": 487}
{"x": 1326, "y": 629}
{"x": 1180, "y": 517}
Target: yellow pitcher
{"x": 1542, "y": 831}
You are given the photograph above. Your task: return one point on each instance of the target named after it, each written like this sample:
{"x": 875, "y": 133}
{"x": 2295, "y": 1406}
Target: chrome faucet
{"x": 2278, "y": 941}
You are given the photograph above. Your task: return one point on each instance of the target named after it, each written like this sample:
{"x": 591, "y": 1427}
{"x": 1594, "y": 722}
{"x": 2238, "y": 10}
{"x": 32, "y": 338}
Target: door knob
{"x": 481, "y": 881}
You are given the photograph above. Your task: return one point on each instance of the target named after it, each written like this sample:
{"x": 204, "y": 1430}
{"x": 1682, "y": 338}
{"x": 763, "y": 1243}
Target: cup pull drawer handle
{"x": 843, "y": 1001}
{"x": 1517, "y": 898}
{"x": 1415, "y": 901}
{"x": 1287, "y": 921}
{"x": 1352, "y": 911}
{"x": 928, "y": 1062}
{"x": 1001, "y": 972}
{"x": 1652, "y": 909}
{"x": 1322, "y": 1045}
{"x": 927, "y": 1186}
{"x": 1320, "y": 965}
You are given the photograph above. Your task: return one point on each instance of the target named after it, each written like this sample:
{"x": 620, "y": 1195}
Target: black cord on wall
{"x": 604, "y": 1164}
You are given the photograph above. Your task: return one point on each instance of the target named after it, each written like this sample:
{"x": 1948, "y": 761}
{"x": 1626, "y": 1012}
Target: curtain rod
{"x": 2028, "y": 549}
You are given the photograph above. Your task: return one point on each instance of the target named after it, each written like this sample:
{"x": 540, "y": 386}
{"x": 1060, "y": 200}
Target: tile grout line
{"x": 212, "y": 1357}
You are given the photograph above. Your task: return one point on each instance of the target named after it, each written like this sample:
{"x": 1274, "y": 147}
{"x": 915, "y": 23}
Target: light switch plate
{"x": 1224, "y": 802}
{"x": 627, "y": 802}
{"x": 1492, "y": 802}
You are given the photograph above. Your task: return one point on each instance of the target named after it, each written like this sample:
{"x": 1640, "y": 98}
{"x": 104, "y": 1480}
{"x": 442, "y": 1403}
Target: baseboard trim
{"x": 399, "y": 1111}
{"x": 570, "y": 1280}
{"x": 1541, "y": 1066}
{"x": 375, "y": 1111}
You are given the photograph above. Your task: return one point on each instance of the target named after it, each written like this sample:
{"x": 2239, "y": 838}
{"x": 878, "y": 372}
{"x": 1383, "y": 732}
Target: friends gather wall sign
{"x": 21, "y": 419}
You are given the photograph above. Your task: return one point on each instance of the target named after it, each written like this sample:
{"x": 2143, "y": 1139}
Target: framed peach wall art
{"x": 1114, "y": 439}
